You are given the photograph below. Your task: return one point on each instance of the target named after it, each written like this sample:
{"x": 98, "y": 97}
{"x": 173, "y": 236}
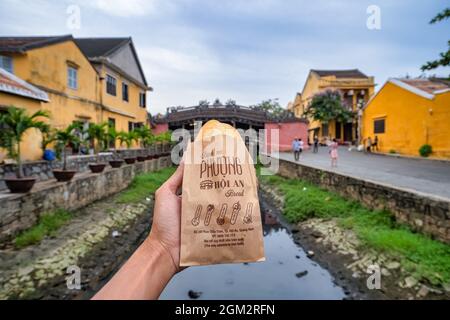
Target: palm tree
{"x": 66, "y": 137}
{"x": 121, "y": 136}
{"x": 127, "y": 137}
{"x": 163, "y": 140}
{"x": 142, "y": 134}
{"x": 48, "y": 136}
{"x": 16, "y": 122}
{"x": 97, "y": 133}
{"x": 111, "y": 137}
{"x": 150, "y": 140}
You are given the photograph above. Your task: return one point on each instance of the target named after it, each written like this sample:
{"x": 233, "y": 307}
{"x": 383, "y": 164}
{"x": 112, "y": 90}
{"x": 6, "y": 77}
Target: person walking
{"x": 296, "y": 149}
{"x": 334, "y": 153}
{"x": 316, "y": 144}
{"x": 375, "y": 144}
{"x": 369, "y": 144}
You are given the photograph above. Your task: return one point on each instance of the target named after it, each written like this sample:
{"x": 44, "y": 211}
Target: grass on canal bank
{"x": 49, "y": 223}
{"x": 145, "y": 184}
{"x": 420, "y": 255}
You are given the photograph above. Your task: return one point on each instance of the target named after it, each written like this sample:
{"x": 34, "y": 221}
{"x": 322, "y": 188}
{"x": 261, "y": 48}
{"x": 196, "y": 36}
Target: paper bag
{"x": 220, "y": 219}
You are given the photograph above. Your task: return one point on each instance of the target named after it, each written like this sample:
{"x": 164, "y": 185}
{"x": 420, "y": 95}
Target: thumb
{"x": 176, "y": 179}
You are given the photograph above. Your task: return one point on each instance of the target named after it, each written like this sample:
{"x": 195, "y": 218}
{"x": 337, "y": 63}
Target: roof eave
{"x": 133, "y": 49}
{"x": 105, "y": 61}
{"x": 35, "y": 94}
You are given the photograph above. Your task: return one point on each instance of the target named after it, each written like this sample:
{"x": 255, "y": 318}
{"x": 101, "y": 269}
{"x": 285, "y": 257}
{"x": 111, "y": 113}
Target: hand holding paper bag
{"x": 219, "y": 181}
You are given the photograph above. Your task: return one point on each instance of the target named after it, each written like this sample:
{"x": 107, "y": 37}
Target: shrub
{"x": 425, "y": 150}
{"x": 392, "y": 151}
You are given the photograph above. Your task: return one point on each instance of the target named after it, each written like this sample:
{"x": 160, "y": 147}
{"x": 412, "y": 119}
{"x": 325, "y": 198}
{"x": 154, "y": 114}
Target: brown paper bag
{"x": 220, "y": 219}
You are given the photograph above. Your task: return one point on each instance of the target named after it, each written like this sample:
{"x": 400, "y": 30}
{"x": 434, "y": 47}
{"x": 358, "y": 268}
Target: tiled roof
{"x": 429, "y": 85}
{"x": 95, "y": 49}
{"x": 22, "y": 44}
{"x": 11, "y": 84}
{"x": 100, "y": 47}
{"x": 352, "y": 73}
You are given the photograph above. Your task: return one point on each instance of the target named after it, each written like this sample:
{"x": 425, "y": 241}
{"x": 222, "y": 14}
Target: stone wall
{"x": 21, "y": 211}
{"x": 43, "y": 169}
{"x": 423, "y": 213}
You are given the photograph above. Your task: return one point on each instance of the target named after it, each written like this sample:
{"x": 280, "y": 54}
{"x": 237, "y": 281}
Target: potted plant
{"x": 142, "y": 134}
{"x": 96, "y": 133}
{"x": 149, "y": 145}
{"x": 166, "y": 140}
{"x": 128, "y": 138}
{"x": 48, "y": 136}
{"x": 162, "y": 144}
{"x": 15, "y": 123}
{"x": 64, "y": 139}
{"x": 112, "y": 136}
{"x": 158, "y": 147}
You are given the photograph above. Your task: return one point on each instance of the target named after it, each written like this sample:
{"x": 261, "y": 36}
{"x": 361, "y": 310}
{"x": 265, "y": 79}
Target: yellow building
{"x": 123, "y": 83}
{"x": 14, "y": 90}
{"x": 405, "y": 114}
{"x": 356, "y": 89}
{"x": 290, "y": 106}
{"x": 296, "y": 105}
{"x": 87, "y": 80}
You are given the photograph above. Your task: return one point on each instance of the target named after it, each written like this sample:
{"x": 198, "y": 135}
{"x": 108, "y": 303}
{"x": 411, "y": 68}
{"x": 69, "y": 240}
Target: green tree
{"x": 48, "y": 136}
{"x": 164, "y": 137}
{"x": 110, "y": 137}
{"x": 444, "y": 59}
{"x": 66, "y": 137}
{"x": 273, "y": 108}
{"x": 15, "y": 123}
{"x": 97, "y": 134}
{"x": 328, "y": 105}
{"x": 143, "y": 133}
{"x": 127, "y": 137}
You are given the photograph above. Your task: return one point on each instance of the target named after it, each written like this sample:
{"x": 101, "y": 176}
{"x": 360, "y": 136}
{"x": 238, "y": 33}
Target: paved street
{"x": 426, "y": 176}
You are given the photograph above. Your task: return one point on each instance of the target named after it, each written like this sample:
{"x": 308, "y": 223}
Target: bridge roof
{"x": 225, "y": 113}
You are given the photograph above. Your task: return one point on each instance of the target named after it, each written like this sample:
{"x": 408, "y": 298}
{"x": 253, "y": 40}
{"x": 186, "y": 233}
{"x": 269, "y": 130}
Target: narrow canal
{"x": 287, "y": 273}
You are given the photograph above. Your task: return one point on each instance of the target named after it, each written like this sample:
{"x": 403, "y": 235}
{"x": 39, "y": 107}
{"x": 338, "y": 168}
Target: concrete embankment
{"x": 424, "y": 213}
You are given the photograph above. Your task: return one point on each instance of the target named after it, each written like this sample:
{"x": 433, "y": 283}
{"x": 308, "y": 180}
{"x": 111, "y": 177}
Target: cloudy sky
{"x": 246, "y": 50}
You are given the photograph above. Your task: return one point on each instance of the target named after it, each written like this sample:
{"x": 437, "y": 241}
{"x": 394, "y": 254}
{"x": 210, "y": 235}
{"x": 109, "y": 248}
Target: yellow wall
{"x": 31, "y": 143}
{"x": 130, "y": 111}
{"x": 46, "y": 67}
{"x": 131, "y": 107}
{"x": 410, "y": 121}
{"x": 296, "y": 105}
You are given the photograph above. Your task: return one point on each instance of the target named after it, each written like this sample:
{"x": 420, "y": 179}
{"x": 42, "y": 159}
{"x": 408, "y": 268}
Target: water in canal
{"x": 276, "y": 278}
